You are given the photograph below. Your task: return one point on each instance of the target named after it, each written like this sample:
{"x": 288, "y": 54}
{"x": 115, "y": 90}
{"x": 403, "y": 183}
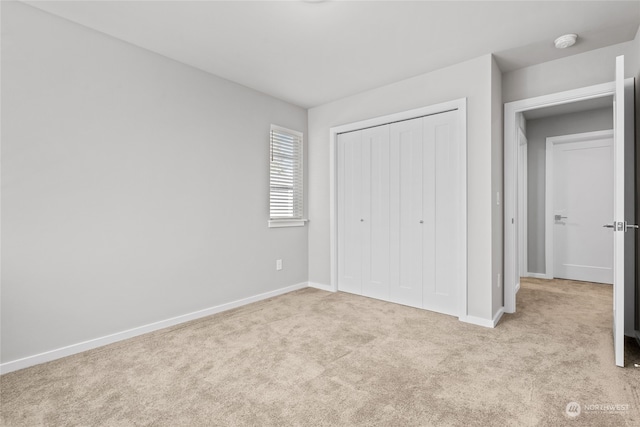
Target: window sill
{"x": 276, "y": 223}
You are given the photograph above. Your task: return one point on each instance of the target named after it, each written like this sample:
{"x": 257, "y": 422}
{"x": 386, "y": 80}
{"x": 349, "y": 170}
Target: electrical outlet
{"x": 499, "y": 281}
{"x": 278, "y": 264}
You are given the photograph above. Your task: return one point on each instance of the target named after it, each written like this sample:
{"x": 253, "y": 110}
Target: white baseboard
{"x": 484, "y": 322}
{"x": 497, "y": 317}
{"x": 321, "y": 286}
{"x": 538, "y": 276}
{"x": 69, "y": 350}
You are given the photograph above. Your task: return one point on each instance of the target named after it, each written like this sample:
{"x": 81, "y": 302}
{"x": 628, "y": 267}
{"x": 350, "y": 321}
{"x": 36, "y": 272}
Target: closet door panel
{"x": 375, "y": 193}
{"x": 350, "y": 212}
{"x": 443, "y": 204}
{"x": 406, "y": 206}
{"x": 428, "y": 199}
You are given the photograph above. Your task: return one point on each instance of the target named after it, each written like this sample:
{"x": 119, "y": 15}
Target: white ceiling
{"x": 310, "y": 53}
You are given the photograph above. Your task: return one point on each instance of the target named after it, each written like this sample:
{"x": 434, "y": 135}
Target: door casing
{"x": 511, "y": 217}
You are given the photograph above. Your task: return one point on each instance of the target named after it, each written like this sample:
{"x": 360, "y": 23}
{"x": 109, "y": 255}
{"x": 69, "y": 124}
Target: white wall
{"x": 471, "y": 79}
{"x": 538, "y": 131}
{"x": 584, "y": 69}
{"x": 134, "y": 188}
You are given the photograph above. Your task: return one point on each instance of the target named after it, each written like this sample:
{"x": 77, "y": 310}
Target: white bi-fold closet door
{"x": 400, "y": 202}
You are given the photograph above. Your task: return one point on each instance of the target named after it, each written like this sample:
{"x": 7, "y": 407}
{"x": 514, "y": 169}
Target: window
{"x": 285, "y": 178}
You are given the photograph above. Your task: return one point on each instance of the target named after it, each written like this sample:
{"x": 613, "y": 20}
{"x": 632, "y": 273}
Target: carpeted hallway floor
{"x": 313, "y": 358}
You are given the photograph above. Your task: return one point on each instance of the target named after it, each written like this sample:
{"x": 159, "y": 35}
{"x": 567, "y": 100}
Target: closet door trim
{"x": 461, "y": 106}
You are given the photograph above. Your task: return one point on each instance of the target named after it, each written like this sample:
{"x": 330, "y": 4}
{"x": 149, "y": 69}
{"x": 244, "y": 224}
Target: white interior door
{"x": 581, "y": 183}
{"x": 406, "y": 212}
{"x": 619, "y": 223}
{"x": 375, "y": 194}
{"x": 350, "y": 212}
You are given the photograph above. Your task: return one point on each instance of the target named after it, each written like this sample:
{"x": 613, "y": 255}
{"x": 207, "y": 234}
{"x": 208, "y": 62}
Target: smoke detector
{"x": 565, "y": 41}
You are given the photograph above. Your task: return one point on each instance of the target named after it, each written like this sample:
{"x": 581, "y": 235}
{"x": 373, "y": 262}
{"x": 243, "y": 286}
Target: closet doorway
{"x": 400, "y": 208}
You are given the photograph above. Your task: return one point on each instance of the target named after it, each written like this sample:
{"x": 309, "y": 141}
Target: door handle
{"x": 559, "y": 217}
{"x": 621, "y": 226}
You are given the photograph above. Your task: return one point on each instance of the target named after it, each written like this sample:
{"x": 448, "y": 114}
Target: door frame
{"x": 523, "y": 201}
{"x": 511, "y": 109}
{"x": 458, "y": 104}
{"x": 548, "y": 193}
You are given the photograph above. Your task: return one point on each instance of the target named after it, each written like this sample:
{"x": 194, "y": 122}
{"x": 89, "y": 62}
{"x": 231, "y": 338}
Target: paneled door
{"x": 442, "y": 207}
{"x": 375, "y": 202}
{"x": 400, "y": 212}
{"x": 581, "y": 182}
{"x": 363, "y": 212}
{"x": 350, "y": 212}
{"x": 406, "y": 212}
{"x": 619, "y": 226}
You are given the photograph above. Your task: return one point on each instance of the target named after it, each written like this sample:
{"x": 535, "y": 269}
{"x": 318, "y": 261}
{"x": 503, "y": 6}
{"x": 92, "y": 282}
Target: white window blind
{"x": 285, "y": 175}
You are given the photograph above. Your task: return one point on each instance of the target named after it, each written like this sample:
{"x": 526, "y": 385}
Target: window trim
{"x": 278, "y": 223}
{"x": 287, "y": 221}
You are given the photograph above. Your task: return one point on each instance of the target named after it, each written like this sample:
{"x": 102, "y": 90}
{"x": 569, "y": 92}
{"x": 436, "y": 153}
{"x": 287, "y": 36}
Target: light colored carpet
{"x": 314, "y": 358}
